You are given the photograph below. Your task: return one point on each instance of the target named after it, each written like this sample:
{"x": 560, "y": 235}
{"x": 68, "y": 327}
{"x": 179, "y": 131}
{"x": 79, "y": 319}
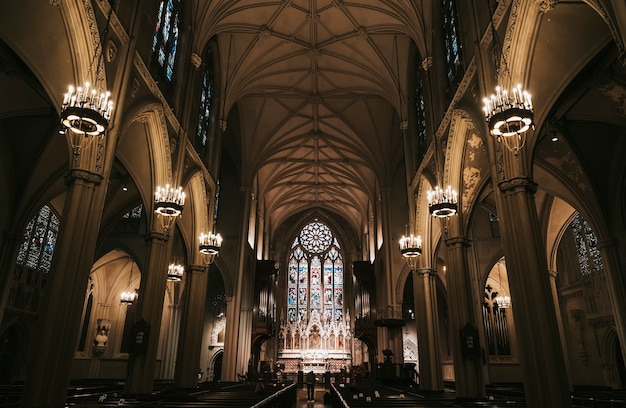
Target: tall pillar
{"x": 236, "y": 345}
{"x": 392, "y": 339}
{"x": 190, "y": 343}
{"x": 168, "y": 363}
{"x": 229, "y": 361}
{"x": 617, "y": 287}
{"x": 8, "y": 253}
{"x": 466, "y": 350}
{"x": 51, "y": 359}
{"x": 559, "y": 320}
{"x": 141, "y": 364}
{"x": 545, "y": 376}
{"x": 427, "y": 321}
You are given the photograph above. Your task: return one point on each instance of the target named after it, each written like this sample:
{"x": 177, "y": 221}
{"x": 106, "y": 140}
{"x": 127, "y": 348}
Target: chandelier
{"x": 87, "y": 109}
{"x": 210, "y": 245}
{"x": 175, "y": 272}
{"x": 442, "y": 203}
{"x": 509, "y": 115}
{"x": 411, "y": 248}
{"x": 128, "y": 298}
{"x": 503, "y": 301}
{"x": 168, "y": 204}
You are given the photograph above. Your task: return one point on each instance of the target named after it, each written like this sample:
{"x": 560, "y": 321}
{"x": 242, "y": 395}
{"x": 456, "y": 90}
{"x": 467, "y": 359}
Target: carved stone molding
{"x": 547, "y": 5}
{"x": 458, "y": 241}
{"x": 425, "y": 271}
{"x": 83, "y": 175}
{"x": 195, "y": 59}
{"x": 199, "y": 269}
{"x": 517, "y": 185}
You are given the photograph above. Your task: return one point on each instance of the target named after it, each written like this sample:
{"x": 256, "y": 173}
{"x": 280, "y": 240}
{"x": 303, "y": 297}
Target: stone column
{"x": 541, "y": 354}
{"x": 559, "y": 320}
{"x": 427, "y": 321}
{"x": 171, "y": 343}
{"x": 617, "y": 287}
{"x": 229, "y": 361}
{"x": 466, "y": 352}
{"x": 392, "y": 339}
{"x": 190, "y": 343}
{"x": 141, "y": 365}
{"x": 9, "y": 247}
{"x": 237, "y": 341}
{"x": 51, "y": 357}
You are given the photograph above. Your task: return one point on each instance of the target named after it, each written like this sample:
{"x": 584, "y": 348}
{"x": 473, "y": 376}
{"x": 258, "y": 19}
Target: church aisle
{"x": 301, "y": 402}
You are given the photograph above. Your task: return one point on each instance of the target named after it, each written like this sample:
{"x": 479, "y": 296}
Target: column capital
{"x": 458, "y": 241}
{"x": 199, "y": 269}
{"x": 157, "y": 236}
{"x": 607, "y": 243}
{"x": 83, "y": 175}
{"x": 517, "y": 185}
{"x": 553, "y": 274}
{"x": 425, "y": 271}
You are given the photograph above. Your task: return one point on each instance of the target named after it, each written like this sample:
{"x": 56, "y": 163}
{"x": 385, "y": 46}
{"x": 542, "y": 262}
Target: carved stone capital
{"x": 196, "y": 61}
{"x": 199, "y": 269}
{"x": 518, "y": 184}
{"x": 157, "y": 237}
{"x": 425, "y": 271}
{"x": 222, "y": 125}
{"x": 83, "y": 175}
{"x": 458, "y": 241}
{"x": 427, "y": 63}
{"x": 547, "y": 5}
{"x": 404, "y": 125}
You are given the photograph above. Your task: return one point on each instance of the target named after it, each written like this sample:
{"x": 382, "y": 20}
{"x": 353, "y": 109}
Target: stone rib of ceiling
{"x": 316, "y": 86}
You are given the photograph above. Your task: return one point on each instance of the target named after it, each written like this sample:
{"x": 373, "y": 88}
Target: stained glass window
{"x": 420, "y": 110}
{"x": 40, "y": 239}
{"x": 589, "y": 257}
{"x": 315, "y": 275}
{"x": 206, "y": 100}
{"x": 135, "y": 213}
{"x": 453, "y": 49}
{"x": 165, "y": 38}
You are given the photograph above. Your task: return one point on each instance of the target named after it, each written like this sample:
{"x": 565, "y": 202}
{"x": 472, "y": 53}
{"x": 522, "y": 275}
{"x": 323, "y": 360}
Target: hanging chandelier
{"x": 87, "y": 109}
{"x": 168, "y": 204}
{"x": 509, "y": 115}
{"x": 175, "y": 272}
{"x": 411, "y": 249}
{"x": 442, "y": 203}
{"x": 503, "y": 301}
{"x": 210, "y": 245}
{"x": 128, "y": 298}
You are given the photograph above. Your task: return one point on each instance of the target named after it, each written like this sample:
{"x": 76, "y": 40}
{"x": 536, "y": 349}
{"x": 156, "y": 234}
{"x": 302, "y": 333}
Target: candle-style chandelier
{"x": 168, "y": 204}
{"x": 175, "y": 272}
{"x": 128, "y": 297}
{"x": 442, "y": 203}
{"x": 509, "y": 113}
{"x": 411, "y": 249}
{"x": 210, "y": 245}
{"x": 87, "y": 109}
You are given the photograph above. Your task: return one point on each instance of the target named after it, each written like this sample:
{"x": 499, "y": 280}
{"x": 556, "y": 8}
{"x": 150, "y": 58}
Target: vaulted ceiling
{"x": 316, "y": 86}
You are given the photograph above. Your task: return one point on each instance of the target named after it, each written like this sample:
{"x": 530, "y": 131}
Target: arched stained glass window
{"x": 454, "y": 61}
{"x": 589, "y": 257}
{"x": 420, "y": 109}
{"x": 165, "y": 38}
{"x": 315, "y": 274}
{"x": 40, "y": 239}
{"x": 206, "y": 100}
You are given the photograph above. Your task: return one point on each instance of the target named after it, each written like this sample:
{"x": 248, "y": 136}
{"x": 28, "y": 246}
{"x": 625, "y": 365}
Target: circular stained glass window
{"x": 316, "y": 237}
